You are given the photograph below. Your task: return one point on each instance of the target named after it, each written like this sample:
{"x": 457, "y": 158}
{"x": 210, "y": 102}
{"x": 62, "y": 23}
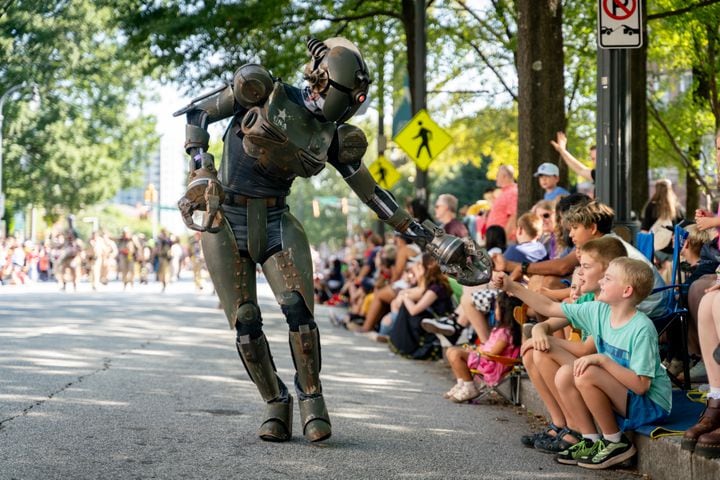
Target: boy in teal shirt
{"x": 624, "y": 385}
{"x": 542, "y": 364}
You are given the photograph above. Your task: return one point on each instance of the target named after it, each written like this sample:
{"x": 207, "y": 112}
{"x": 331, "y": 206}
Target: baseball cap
{"x": 548, "y": 169}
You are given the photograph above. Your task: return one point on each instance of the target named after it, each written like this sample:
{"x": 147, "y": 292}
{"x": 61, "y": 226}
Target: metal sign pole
{"x": 614, "y": 122}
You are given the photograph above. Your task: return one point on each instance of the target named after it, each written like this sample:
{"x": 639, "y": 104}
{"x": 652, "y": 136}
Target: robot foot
{"x": 277, "y": 426}
{"x": 315, "y": 419}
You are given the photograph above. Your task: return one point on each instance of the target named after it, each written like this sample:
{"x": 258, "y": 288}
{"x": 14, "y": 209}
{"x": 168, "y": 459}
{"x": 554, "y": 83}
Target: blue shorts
{"x": 640, "y": 411}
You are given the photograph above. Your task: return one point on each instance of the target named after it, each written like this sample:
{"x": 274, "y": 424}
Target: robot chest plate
{"x": 285, "y": 136}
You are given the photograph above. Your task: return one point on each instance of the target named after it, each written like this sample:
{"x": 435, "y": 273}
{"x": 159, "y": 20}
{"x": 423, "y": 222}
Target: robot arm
{"x": 459, "y": 258}
{"x": 251, "y": 86}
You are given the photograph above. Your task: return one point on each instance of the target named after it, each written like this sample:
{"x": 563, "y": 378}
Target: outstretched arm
{"x": 560, "y": 144}
{"x": 537, "y": 301}
{"x": 461, "y": 259}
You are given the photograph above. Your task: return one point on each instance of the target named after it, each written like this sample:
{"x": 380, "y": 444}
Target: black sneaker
{"x": 445, "y": 326}
{"x": 609, "y": 454}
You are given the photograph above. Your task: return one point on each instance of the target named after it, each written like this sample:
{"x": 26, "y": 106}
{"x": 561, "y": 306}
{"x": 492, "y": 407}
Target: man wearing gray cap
{"x": 548, "y": 175}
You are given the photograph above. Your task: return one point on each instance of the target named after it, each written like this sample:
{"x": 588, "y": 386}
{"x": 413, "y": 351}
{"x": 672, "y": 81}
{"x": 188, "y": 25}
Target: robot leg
{"x": 289, "y": 273}
{"x": 234, "y": 279}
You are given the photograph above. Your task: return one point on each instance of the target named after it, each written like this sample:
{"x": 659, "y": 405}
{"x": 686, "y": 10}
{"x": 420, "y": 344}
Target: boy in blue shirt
{"x": 621, "y": 387}
{"x": 548, "y": 175}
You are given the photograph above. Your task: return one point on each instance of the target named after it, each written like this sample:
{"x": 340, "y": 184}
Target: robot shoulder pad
{"x": 252, "y": 84}
{"x": 352, "y": 144}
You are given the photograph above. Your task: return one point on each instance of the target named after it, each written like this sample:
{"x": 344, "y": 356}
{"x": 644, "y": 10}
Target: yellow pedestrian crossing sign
{"x": 422, "y": 139}
{"x": 384, "y": 173}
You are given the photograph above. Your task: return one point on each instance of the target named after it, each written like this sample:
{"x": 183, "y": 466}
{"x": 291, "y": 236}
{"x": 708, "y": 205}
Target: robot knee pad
{"x": 249, "y": 321}
{"x": 297, "y": 313}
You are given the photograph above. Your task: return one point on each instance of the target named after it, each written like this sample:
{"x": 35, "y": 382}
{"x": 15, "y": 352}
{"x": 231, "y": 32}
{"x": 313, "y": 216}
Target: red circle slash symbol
{"x": 619, "y": 9}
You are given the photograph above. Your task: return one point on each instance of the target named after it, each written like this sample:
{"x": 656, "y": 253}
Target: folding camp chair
{"x": 677, "y": 314}
{"x": 644, "y": 241}
{"x": 513, "y": 375}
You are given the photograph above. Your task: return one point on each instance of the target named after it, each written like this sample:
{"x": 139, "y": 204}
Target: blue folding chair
{"x": 644, "y": 241}
{"x": 676, "y": 312}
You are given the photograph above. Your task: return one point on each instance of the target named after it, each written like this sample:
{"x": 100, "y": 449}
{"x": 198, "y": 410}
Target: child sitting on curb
{"x": 500, "y": 343}
{"x": 621, "y": 387}
{"x": 542, "y": 365}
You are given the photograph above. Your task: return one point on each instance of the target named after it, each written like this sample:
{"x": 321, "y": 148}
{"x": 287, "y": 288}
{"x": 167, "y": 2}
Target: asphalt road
{"x": 143, "y": 384}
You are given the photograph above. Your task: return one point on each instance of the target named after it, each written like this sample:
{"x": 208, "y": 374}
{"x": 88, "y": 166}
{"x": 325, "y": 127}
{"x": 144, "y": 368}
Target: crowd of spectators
{"x": 582, "y": 321}
{"x": 129, "y": 257}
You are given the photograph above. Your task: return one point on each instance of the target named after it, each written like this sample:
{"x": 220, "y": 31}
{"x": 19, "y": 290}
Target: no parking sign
{"x": 619, "y": 24}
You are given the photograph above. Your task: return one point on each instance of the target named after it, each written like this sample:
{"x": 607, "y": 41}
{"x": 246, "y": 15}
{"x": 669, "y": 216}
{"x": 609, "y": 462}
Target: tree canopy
{"x": 89, "y": 138}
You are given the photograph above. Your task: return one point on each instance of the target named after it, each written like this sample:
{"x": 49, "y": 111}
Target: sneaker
{"x": 445, "y": 325}
{"x": 465, "y": 393}
{"x": 581, "y": 449}
{"x": 450, "y": 393}
{"x": 608, "y": 454}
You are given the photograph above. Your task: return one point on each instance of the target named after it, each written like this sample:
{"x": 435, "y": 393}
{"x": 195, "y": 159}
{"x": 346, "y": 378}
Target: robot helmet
{"x": 339, "y": 74}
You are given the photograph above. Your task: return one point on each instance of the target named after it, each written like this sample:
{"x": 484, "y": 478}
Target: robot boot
{"x": 255, "y": 355}
{"x": 314, "y": 418}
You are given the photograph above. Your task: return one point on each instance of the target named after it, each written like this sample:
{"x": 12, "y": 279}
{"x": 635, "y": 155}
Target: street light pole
{"x": 4, "y": 97}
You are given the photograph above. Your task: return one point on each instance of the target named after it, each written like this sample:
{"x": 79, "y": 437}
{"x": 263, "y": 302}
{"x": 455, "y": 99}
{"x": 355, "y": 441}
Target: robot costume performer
{"x": 279, "y": 132}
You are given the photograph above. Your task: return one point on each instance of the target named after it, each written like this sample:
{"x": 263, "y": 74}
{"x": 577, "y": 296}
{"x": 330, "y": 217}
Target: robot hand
{"x": 462, "y": 259}
{"x": 203, "y": 193}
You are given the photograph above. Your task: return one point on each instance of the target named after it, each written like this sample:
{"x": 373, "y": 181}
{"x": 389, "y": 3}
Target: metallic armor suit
{"x": 277, "y": 133}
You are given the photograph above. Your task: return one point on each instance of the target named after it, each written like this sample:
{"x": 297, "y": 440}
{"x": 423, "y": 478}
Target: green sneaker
{"x": 570, "y": 456}
{"x": 609, "y": 454}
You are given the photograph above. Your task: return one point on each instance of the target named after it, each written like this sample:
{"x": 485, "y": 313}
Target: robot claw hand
{"x": 203, "y": 193}
{"x": 462, "y": 259}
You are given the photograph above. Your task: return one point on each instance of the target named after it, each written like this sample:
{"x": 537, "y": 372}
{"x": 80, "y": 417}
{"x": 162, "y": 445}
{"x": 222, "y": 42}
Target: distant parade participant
{"x": 197, "y": 260}
{"x": 69, "y": 257}
{"x": 94, "y": 250}
{"x": 108, "y": 258}
{"x": 144, "y": 258}
{"x": 163, "y": 250}
{"x": 127, "y": 250}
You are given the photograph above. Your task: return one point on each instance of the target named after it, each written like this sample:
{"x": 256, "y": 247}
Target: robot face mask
{"x": 337, "y": 72}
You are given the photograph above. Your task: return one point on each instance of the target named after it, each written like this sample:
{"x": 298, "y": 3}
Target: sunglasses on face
{"x": 546, "y": 215}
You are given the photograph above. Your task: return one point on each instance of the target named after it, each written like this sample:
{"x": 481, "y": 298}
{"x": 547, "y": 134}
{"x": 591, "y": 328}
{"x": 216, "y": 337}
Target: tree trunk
{"x": 692, "y": 191}
{"x": 541, "y": 93}
{"x": 416, "y": 74}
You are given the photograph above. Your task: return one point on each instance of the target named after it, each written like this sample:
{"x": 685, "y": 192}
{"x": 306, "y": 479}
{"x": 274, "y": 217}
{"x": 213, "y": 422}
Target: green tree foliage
{"x": 90, "y": 137}
{"x": 683, "y": 92}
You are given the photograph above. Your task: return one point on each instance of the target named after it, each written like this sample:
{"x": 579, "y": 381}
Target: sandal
{"x": 529, "y": 440}
{"x": 558, "y": 444}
